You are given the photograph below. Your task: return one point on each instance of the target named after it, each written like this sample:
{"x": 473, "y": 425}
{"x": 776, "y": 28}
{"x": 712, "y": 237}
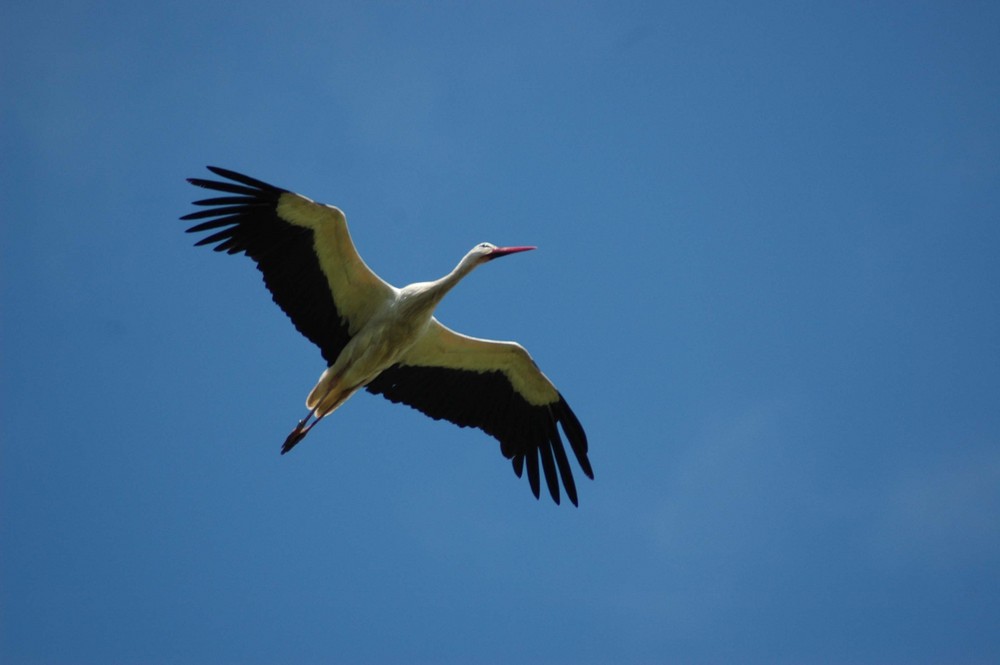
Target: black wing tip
{"x": 246, "y": 196}
{"x": 244, "y": 179}
{"x": 531, "y": 461}
{"x": 239, "y": 183}
{"x": 202, "y": 182}
{"x": 547, "y": 457}
{"x": 553, "y": 455}
{"x": 575, "y": 433}
{"x": 549, "y": 468}
{"x": 229, "y": 174}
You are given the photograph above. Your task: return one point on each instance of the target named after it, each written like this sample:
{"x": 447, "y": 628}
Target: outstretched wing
{"x": 303, "y": 249}
{"x": 496, "y": 387}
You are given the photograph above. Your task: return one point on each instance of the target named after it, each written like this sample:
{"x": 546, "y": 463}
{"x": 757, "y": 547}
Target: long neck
{"x": 429, "y": 294}
{"x": 442, "y": 286}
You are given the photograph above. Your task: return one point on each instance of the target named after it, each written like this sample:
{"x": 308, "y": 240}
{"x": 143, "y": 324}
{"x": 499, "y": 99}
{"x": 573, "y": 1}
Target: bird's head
{"x": 486, "y": 251}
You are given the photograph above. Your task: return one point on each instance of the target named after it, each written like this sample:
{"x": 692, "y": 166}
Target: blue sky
{"x": 767, "y": 282}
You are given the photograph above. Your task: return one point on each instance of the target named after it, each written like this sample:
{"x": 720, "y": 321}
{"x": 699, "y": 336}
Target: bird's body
{"x": 399, "y": 321}
{"x": 386, "y": 339}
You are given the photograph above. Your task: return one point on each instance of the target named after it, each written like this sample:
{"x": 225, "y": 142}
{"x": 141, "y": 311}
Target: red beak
{"x": 504, "y": 251}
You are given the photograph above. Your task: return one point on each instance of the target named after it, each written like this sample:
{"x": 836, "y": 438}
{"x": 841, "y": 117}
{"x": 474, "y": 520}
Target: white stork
{"x": 385, "y": 339}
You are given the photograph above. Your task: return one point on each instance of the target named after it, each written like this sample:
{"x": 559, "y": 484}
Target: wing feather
{"x": 303, "y": 249}
{"x": 496, "y": 387}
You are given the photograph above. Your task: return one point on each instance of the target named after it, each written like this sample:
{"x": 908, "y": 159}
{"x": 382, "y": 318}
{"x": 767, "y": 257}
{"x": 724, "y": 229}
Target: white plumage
{"x": 386, "y": 339}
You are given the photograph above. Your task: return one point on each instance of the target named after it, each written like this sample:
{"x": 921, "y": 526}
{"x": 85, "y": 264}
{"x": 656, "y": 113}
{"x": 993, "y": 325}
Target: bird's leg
{"x": 322, "y": 401}
{"x": 300, "y": 431}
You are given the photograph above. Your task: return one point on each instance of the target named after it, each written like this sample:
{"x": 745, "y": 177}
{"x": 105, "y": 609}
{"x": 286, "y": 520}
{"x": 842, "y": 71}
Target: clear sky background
{"x": 768, "y": 282}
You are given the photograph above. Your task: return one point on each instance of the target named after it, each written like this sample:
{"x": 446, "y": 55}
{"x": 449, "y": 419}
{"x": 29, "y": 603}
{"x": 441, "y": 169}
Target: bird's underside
{"x": 386, "y": 340}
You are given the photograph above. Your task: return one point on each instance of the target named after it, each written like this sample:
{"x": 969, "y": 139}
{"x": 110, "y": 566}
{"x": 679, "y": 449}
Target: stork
{"x": 384, "y": 339}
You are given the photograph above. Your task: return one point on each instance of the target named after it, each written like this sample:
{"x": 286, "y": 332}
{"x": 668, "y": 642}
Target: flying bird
{"x": 385, "y": 339}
